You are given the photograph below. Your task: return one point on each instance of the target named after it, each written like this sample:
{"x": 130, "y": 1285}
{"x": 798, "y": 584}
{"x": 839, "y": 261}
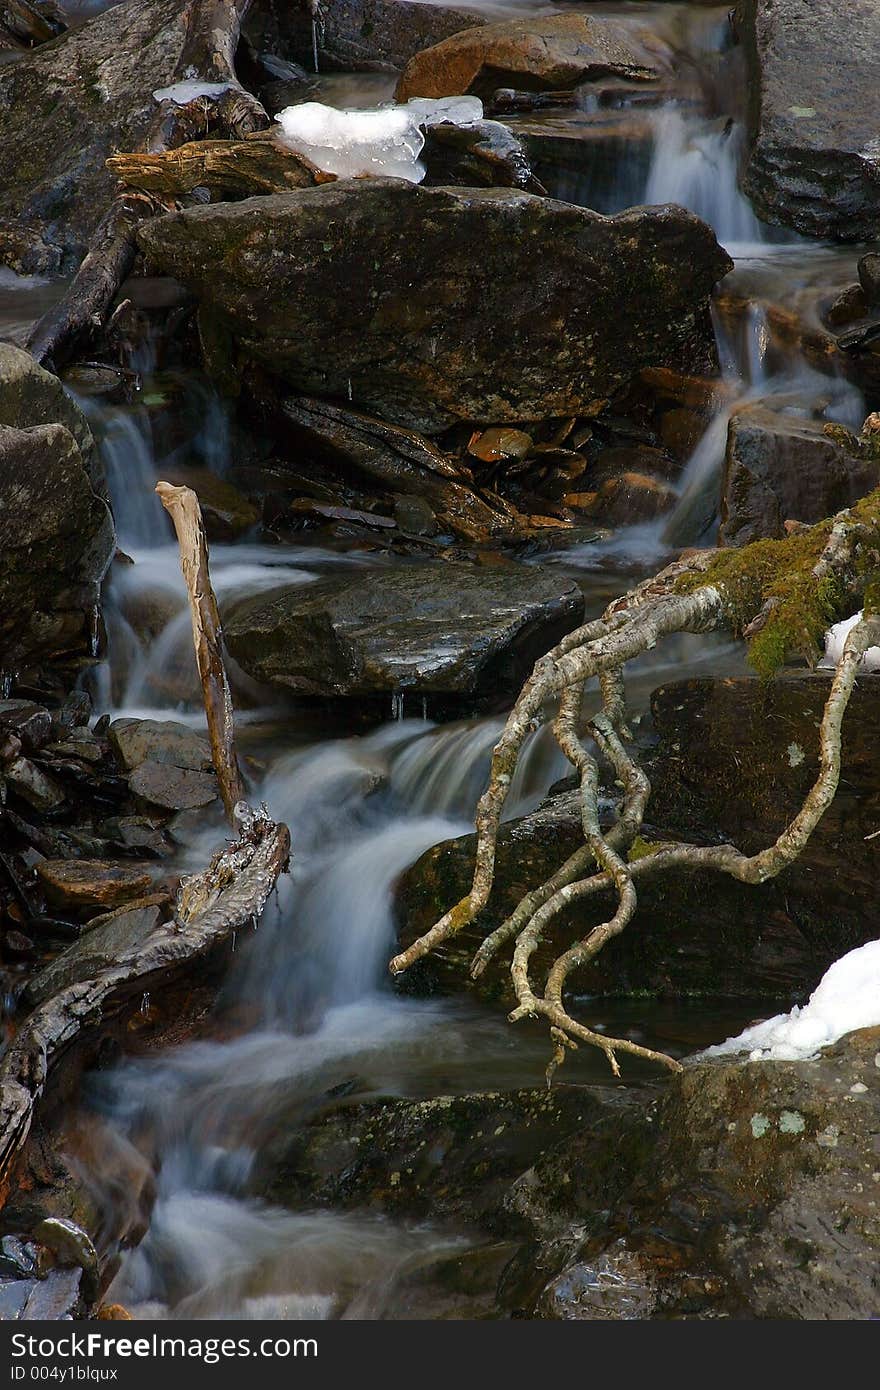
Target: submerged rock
{"x": 443, "y": 628}
{"x": 780, "y": 468}
{"x": 542, "y": 51}
{"x": 815, "y": 155}
{"x": 428, "y": 332}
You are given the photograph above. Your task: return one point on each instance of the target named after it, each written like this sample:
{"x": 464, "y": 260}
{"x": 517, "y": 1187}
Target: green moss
{"x": 640, "y": 849}
{"x": 781, "y": 573}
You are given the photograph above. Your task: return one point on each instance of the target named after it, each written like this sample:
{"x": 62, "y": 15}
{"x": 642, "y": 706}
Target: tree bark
{"x": 228, "y": 168}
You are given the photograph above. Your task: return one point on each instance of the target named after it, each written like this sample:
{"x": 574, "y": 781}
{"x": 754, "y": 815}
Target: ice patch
{"x": 846, "y": 998}
{"x": 834, "y": 640}
{"x": 182, "y": 92}
{"x": 384, "y": 141}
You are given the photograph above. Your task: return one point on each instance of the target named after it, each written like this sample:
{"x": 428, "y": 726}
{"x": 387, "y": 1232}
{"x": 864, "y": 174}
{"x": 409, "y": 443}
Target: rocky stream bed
{"x": 439, "y": 409}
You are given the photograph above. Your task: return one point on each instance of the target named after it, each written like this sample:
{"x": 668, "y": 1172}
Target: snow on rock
{"x": 834, "y": 640}
{"x": 385, "y": 140}
{"x": 846, "y": 998}
{"x": 182, "y": 92}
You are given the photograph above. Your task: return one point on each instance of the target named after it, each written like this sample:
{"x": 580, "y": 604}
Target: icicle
{"x": 315, "y": 41}
{"x": 145, "y": 1004}
{"x": 425, "y": 707}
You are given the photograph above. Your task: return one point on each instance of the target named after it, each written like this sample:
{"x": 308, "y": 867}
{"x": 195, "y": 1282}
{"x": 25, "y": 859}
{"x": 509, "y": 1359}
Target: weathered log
{"x": 85, "y": 305}
{"x": 208, "y": 55}
{"x": 228, "y": 895}
{"x": 183, "y": 507}
{"x": 227, "y": 168}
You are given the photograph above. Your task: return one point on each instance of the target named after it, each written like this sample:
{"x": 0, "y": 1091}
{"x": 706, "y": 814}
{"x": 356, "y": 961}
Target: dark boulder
{"x": 694, "y": 932}
{"x": 428, "y": 333}
{"x": 780, "y": 468}
{"x": 56, "y": 541}
{"x": 814, "y": 72}
{"x": 371, "y": 35}
{"x": 448, "y": 629}
{"x": 70, "y": 104}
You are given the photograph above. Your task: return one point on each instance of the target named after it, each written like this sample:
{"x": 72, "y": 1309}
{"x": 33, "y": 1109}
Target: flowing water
{"x": 362, "y": 806}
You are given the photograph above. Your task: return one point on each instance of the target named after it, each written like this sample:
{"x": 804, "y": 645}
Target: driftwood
{"x": 227, "y": 168}
{"x": 183, "y": 507}
{"x": 208, "y": 53}
{"x": 93, "y": 289}
{"x": 230, "y": 894}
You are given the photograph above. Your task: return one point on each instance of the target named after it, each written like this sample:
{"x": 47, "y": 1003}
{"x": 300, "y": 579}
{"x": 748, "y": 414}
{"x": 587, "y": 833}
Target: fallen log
{"x": 182, "y": 506}
{"x": 227, "y": 896}
{"x": 208, "y": 58}
{"x": 227, "y": 168}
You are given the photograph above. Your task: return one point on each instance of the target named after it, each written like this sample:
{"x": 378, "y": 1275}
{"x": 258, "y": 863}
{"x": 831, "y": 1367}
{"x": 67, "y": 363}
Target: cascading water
{"x": 311, "y": 980}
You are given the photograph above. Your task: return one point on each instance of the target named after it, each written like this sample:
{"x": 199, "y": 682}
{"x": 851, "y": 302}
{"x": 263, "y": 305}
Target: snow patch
{"x": 182, "y": 92}
{"x": 835, "y": 638}
{"x": 846, "y": 998}
{"x": 384, "y": 141}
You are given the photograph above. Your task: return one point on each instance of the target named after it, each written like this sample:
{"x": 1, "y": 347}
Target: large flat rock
{"x": 479, "y": 304}
{"x": 447, "y": 629}
{"x": 814, "y": 74}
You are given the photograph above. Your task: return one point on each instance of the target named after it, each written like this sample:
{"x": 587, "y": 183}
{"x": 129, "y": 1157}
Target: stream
{"x": 316, "y": 1014}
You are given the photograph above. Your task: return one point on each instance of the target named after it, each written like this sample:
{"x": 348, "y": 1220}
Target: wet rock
{"x": 84, "y": 884}
{"x": 540, "y": 52}
{"x": 29, "y": 396}
{"x": 172, "y": 788}
{"x": 38, "y": 788}
{"x": 55, "y": 1297}
{"x": 227, "y": 513}
{"x": 618, "y": 1285}
{"x": 415, "y": 516}
{"x": 14, "y": 1294}
{"x": 56, "y": 540}
{"x": 772, "y": 1164}
{"x": 367, "y": 34}
{"x": 98, "y": 948}
{"x": 813, "y": 74}
{"x": 780, "y": 468}
{"x": 69, "y": 105}
{"x": 482, "y": 154}
{"x": 162, "y": 741}
{"x": 447, "y": 628}
{"x": 400, "y": 461}
{"x": 448, "y": 1158}
{"x": 869, "y": 277}
{"x": 630, "y": 498}
{"x": 17, "y": 1259}
{"x": 72, "y": 1246}
{"x": 30, "y": 723}
{"x": 617, "y": 295}
{"x": 774, "y": 940}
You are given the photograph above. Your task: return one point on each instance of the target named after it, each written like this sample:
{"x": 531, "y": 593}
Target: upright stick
{"x": 183, "y": 507}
